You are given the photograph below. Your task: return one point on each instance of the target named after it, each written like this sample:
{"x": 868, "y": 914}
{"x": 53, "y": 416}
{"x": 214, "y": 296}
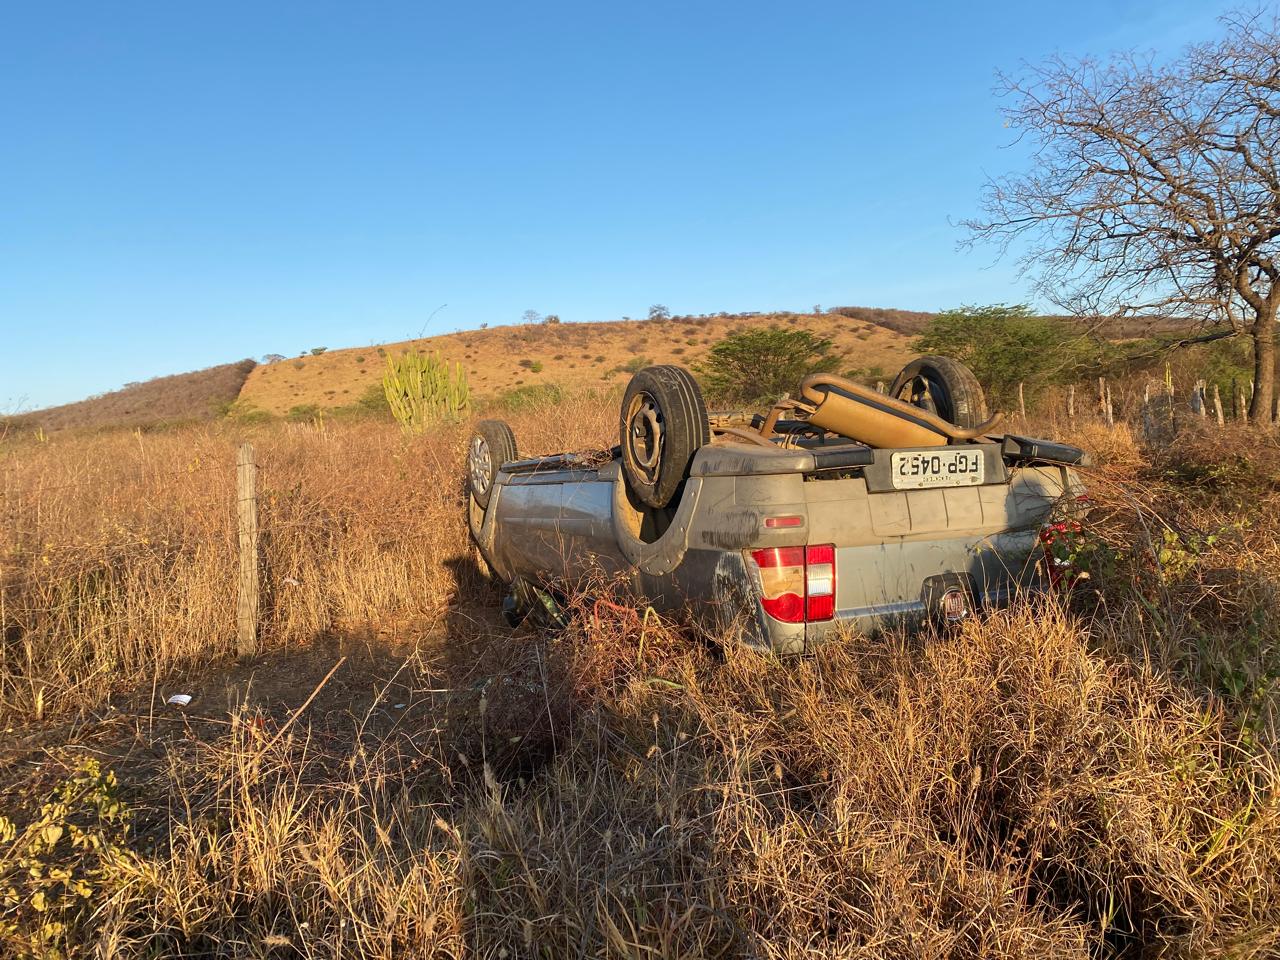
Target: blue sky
{"x": 183, "y": 185}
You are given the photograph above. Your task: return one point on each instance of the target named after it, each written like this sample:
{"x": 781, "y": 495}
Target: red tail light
{"x": 820, "y": 582}
{"x": 798, "y": 584}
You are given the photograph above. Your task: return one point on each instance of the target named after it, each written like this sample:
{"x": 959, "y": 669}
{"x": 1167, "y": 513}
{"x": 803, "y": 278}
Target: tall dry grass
{"x": 1087, "y": 776}
{"x": 118, "y": 552}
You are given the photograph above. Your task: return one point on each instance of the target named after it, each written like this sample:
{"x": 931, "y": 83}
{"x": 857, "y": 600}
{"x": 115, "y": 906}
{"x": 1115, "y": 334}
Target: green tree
{"x": 758, "y": 366}
{"x": 1152, "y": 187}
{"x": 1007, "y": 345}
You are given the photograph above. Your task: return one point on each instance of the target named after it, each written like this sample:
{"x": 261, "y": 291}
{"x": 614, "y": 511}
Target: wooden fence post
{"x": 1111, "y": 411}
{"x": 247, "y": 521}
{"x": 1217, "y": 405}
{"x": 1199, "y": 405}
{"x": 1022, "y": 403}
{"x": 1102, "y": 396}
{"x": 1071, "y": 402}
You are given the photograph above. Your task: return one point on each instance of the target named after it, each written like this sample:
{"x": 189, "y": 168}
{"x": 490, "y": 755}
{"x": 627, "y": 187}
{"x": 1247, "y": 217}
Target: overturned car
{"x": 841, "y": 506}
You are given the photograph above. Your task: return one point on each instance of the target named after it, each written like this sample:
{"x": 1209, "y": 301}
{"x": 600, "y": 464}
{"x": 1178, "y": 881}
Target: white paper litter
{"x": 179, "y": 699}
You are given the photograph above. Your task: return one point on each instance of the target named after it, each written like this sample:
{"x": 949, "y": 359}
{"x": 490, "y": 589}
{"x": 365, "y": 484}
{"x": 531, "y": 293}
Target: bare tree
{"x": 1154, "y": 187}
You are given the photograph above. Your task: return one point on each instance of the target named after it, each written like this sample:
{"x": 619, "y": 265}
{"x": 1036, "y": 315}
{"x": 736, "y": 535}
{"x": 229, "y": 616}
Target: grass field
{"x": 397, "y": 774}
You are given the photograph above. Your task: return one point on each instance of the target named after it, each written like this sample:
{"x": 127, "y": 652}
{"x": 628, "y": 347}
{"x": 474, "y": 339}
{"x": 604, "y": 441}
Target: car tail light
{"x": 820, "y": 582}
{"x": 797, "y": 584}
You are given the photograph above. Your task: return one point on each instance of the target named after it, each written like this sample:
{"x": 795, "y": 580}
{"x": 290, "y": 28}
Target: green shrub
{"x": 760, "y": 365}
{"x": 528, "y": 397}
{"x": 1224, "y": 362}
{"x": 304, "y": 413}
{"x": 633, "y": 366}
{"x": 241, "y": 411}
{"x": 1007, "y": 345}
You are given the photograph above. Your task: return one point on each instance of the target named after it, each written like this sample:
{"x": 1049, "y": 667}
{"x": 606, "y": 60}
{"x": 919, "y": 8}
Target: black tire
{"x": 663, "y": 423}
{"x": 491, "y": 445}
{"x": 942, "y": 386}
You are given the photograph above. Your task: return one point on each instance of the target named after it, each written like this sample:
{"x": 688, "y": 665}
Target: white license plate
{"x": 936, "y": 468}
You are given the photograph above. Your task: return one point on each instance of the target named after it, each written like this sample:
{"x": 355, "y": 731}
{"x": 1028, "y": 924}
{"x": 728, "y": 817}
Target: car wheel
{"x": 664, "y": 422}
{"x": 942, "y": 386}
{"x": 492, "y": 444}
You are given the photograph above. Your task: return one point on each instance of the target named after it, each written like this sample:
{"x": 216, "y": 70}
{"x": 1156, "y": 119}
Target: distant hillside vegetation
{"x": 201, "y": 395}
{"x": 873, "y": 341}
{"x": 875, "y": 344}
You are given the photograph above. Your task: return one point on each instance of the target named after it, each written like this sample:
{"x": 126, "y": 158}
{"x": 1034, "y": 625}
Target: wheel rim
{"x": 480, "y": 464}
{"x": 644, "y": 435}
{"x": 919, "y": 392}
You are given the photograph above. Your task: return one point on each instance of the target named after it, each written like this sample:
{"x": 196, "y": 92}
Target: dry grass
{"x": 1082, "y": 778}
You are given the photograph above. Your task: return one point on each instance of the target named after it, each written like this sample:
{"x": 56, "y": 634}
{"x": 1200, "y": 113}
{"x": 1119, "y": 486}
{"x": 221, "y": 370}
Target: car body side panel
{"x": 554, "y": 525}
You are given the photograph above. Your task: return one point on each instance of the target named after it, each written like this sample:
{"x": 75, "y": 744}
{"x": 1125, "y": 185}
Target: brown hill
{"x": 200, "y": 395}
{"x": 578, "y": 354}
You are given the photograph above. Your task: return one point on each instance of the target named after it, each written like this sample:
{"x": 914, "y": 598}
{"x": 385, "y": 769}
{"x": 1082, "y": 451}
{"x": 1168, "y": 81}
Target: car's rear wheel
{"x": 492, "y": 444}
{"x": 663, "y": 423}
{"x": 942, "y": 386}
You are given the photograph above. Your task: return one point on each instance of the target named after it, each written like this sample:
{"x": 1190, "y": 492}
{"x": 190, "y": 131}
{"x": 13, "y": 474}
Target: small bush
{"x": 304, "y": 413}
{"x": 241, "y": 411}
{"x": 529, "y": 397}
{"x": 374, "y": 399}
{"x": 758, "y": 366}
{"x": 632, "y": 366}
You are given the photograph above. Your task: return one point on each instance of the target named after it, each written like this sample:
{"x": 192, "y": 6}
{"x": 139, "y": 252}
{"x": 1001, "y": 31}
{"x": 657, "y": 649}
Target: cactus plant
{"x": 422, "y": 388}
